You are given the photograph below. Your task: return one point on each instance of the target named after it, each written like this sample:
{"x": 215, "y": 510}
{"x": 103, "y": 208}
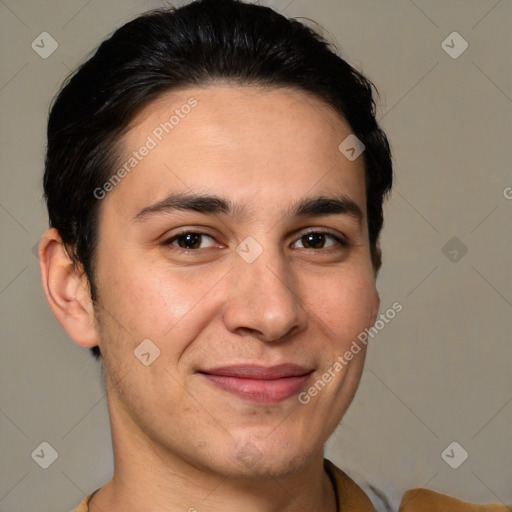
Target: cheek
{"x": 151, "y": 300}
{"x": 343, "y": 305}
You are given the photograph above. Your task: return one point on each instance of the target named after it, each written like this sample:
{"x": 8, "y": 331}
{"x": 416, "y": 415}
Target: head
{"x": 198, "y": 198}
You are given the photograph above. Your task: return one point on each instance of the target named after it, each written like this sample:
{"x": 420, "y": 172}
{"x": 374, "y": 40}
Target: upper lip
{"x": 246, "y": 371}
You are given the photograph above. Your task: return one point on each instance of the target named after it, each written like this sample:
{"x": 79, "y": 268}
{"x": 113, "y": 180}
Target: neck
{"x": 147, "y": 477}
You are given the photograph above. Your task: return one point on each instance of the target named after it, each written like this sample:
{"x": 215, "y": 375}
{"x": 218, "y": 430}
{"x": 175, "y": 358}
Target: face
{"x": 246, "y": 298}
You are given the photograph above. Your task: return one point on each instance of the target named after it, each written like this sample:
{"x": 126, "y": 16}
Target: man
{"x": 214, "y": 179}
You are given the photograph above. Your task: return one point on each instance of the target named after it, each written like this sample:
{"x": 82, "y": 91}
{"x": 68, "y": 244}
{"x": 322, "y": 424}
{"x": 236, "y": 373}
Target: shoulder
{"x": 425, "y": 500}
{"x": 352, "y": 497}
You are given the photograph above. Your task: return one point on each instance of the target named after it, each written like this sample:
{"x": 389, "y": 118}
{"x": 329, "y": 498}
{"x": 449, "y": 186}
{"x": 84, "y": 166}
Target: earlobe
{"x": 66, "y": 290}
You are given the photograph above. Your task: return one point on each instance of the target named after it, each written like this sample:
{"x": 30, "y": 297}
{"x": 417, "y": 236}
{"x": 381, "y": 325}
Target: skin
{"x": 178, "y": 440}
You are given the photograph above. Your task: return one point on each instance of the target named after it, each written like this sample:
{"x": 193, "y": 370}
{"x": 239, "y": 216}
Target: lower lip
{"x": 259, "y": 390}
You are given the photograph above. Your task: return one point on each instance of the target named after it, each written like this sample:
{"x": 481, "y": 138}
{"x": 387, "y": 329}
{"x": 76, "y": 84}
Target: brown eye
{"x": 317, "y": 240}
{"x": 314, "y": 240}
{"x": 188, "y": 241}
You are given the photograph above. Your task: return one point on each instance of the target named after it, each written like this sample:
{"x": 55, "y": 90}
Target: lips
{"x": 259, "y": 384}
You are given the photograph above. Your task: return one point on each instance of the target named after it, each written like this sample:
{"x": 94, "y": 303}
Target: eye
{"x": 317, "y": 239}
{"x": 188, "y": 240}
{"x": 191, "y": 241}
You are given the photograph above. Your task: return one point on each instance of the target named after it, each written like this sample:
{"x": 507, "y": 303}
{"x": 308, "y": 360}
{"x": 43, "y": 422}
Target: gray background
{"x": 437, "y": 373}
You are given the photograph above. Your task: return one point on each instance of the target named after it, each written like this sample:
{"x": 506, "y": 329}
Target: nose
{"x": 264, "y": 299}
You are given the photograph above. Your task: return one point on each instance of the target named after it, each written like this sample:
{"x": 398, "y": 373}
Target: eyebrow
{"x": 211, "y": 204}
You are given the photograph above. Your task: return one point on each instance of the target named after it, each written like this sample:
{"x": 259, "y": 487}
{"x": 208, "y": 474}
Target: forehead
{"x": 258, "y": 144}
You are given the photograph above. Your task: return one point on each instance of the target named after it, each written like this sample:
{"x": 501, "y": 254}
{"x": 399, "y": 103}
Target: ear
{"x": 375, "y": 307}
{"x": 67, "y": 290}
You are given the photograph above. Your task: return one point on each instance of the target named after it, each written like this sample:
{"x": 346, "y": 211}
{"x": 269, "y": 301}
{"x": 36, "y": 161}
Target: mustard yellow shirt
{"x": 350, "y": 497}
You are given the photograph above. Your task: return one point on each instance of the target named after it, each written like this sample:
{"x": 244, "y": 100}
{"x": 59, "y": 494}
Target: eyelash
{"x": 342, "y": 242}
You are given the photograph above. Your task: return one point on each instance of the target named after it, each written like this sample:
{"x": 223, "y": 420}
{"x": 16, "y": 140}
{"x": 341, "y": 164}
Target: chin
{"x": 254, "y": 459}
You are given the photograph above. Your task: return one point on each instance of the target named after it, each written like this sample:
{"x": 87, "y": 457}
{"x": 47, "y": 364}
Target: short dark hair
{"x": 194, "y": 45}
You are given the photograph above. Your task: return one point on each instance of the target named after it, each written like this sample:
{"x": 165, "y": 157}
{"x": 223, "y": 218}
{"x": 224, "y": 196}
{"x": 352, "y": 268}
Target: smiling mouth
{"x": 259, "y": 384}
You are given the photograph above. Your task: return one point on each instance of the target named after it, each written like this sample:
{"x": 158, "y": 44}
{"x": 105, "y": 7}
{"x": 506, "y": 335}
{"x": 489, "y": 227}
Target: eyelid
{"x": 168, "y": 240}
{"x": 341, "y": 238}
{"x": 324, "y": 231}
